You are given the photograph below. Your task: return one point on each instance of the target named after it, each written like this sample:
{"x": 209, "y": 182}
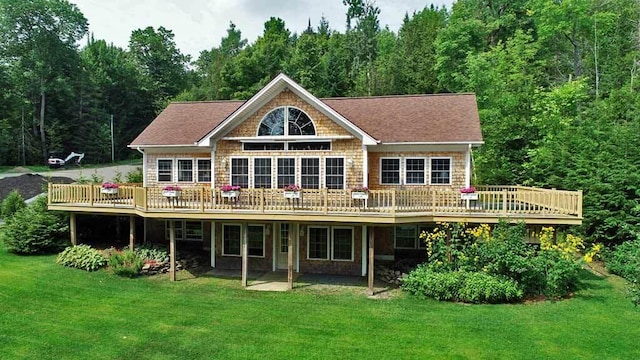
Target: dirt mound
{"x": 28, "y": 185}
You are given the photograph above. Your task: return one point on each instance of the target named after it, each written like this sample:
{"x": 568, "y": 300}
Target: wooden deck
{"x": 533, "y": 205}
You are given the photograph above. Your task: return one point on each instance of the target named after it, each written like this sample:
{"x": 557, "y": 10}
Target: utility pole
{"x": 113, "y": 158}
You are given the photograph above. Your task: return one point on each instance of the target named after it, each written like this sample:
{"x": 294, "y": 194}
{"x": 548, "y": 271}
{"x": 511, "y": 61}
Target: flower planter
{"x": 292, "y": 194}
{"x": 230, "y": 194}
{"x": 171, "y": 193}
{"x": 362, "y": 195}
{"x": 109, "y": 191}
{"x": 469, "y": 196}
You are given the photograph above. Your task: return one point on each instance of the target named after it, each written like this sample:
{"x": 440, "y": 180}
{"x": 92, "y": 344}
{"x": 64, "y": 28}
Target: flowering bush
{"x": 171, "y": 188}
{"x": 360, "y": 188}
{"x": 110, "y": 185}
{"x": 468, "y": 190}
{"x": 292, "y": 187}
{"x": 229, "y": 188}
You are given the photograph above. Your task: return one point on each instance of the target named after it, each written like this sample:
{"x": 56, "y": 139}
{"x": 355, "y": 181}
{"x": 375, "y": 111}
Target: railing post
{"x": 504, "y": 201}
{"x": 201, "y": 199}
{"x": 325, "y": 194}
{"x": 262, "y": 200}
{"x": 393, "y": 202}
{"x": 579, "y": 209}
{"x": 146, "y": 199}
{"x": 90, "y": 194}
{"x": 49, "y": 193}
{"x": 433, "y": 201}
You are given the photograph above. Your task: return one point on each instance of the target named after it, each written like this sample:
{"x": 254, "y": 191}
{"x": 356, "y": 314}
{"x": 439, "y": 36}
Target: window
{"x": 240, "y": 172}
{"x": 342, "y": 244}
{"x": 231, "y": 239}
{"x": 185, "y": 230}
{"x": 255, "y": 241}
{"x": 310, "y": 173}
{"x": 441, "y": 171}
{"x": 414, "y": 171}
{"x": 318, "y": 243}
{"x": 286, "y": 172}
{"x": 309, "y": 145}
{"x": 262, "y": 146}
{"x": 284, "y": 237}
{"x": 390, "y": 171}
{"x": 262, "y": 173}
{"x": 165, "y": 170}
{"x": 405, "y": 237}
{"x": 334, "y": 173}
{"x": 185, "y": 170}
{"x": 204, "y": 170}
{"x": 298, "y": 123}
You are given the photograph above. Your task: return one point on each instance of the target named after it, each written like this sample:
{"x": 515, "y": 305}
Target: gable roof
{"x": 442, "y": 118}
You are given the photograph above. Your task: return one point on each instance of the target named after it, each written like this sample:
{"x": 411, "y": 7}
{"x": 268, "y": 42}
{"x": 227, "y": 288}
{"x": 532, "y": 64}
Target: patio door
{"x": 283, "y": 247}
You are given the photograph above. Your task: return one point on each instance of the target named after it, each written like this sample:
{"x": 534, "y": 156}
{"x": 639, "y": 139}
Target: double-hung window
{"x": 240, "y": 172}
{"x": 334, "y": 173}
{"x": 415, "y": 171}
{"x": 262, "y": 173}
{"x": 318, "y": 243}
{"x": 165, "y": 170}
{"x": 390, "y": 171}
{"x": 231, "y": 239}
{"x": 255, "y": 241}
{"x": 185, "y": 170}
{"x": 441, "y": 171}
{"x": 185, "y": 230}
{"x": 286, "y": 172}
{"x": 406, "y": 237}
{"x": 342, "y": 243}
{"x": 204, "y": 170}
{"x": 310, "y": 178}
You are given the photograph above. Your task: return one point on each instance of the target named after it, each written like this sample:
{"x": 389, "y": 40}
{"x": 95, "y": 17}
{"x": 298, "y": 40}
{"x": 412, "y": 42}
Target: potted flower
{"x": 171, "y": 191}
{"x": 109, "y": 188}
{"x": 360, "y": 192}
{"x": 468, "y": 193}
{"x": 230, "y": 191}
{"x": 292, "y": 191}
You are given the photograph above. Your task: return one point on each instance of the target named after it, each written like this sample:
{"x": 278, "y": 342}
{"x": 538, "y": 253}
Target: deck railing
{"x": 499, "y": 200}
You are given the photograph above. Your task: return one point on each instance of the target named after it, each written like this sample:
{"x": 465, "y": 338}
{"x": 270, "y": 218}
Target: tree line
{"x": 556, "y": 83}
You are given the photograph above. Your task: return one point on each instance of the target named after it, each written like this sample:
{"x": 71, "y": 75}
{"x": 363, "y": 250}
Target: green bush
{"x": 82, "y": 257}
{"x": 36, "y": 230}
{"x": 126, "y": 263}
{"x": 135, "y": 176}
{"x": 11, "y": 204}
{"x": 152, "y": 253}
{"x": 471, "y": 287}
{"x": 624, "y": 260}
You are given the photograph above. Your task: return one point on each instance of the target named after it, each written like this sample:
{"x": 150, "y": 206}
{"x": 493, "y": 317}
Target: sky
{"x": 200, "y": 24}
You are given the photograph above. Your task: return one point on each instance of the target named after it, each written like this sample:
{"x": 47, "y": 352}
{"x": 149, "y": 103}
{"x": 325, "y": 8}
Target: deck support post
{"x": 371, "y": 240}
{"x": 245, "y": 255}
{"x": 72, "y": 229}
{"x": 172, "y": 250}
{"x": 290, "y": 259}
{"x": 132, "y": 231}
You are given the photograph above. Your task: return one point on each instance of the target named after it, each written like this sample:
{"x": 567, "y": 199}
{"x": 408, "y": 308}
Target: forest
{"x": 555, "y": 80}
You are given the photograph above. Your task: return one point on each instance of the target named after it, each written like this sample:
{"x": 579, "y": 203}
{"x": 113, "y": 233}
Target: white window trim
{"x": 450, "y": 169}
{"x": 299, "y": 170}
{"x": 197, "y": 169}
{"x": 158, "y": 169}
{"x": 252, "y": 170}
{"x": 425, "y": 172}
{"x": 182, "y": 225}
{"x": 344, "y": 170}
{"x": 286, "y": 122}
{"x": 328, "y": 242}
{"x": 222, "y": 239}
{"x": 296, "y": 172}
{"x": 352, "y": 242}
{"x": 395, "y": 238}
{"x": 263, "y": 241}
{"x": 177, "y": 166}
{"x": 230, "y": 169}
{"x": 399, "y": 170}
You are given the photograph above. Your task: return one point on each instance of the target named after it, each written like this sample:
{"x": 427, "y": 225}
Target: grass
{"x": 48, "y": 311}
{"x": 44, "y": 168}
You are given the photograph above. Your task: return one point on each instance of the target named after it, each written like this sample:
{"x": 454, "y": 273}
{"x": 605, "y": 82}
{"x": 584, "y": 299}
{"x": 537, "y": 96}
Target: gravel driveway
{"x": 107, "y": 173}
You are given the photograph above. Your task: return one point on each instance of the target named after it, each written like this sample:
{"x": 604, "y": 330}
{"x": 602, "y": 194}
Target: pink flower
{"x": 229, "y": 188}
{"x": 110, "y": 185}
{"x": 468, "y": 190}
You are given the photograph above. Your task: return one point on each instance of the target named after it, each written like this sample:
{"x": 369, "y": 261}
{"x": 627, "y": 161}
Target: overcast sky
{"x": 200, "y": 24}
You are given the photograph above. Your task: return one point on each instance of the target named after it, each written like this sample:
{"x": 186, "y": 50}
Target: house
{"x": 413, "y": 153}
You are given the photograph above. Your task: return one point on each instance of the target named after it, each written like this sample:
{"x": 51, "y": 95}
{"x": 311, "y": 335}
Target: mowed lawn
{"x": 51, "y": 312}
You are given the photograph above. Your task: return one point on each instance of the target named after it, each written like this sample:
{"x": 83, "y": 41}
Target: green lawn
{"x": 51, "y": 312}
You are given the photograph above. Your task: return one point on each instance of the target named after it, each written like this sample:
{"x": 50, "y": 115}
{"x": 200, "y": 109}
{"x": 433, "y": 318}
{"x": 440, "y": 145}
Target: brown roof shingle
{"x": 389, "y": 119}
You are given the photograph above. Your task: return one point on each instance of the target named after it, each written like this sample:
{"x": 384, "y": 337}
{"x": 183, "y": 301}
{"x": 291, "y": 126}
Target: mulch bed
{"x": 29, "y": 185}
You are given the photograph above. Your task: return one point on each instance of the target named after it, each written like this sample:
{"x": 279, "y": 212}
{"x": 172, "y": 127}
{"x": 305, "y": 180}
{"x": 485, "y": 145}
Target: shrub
{"x": 471, "y": 287}
{"x": 135, "y": 176}
{"x": 152, "y": 253}
{"x": 624, "y": 260}
{"x": 82, "y": 257}
{"x": 36, "y": 230}
{"x": 11, "y": 204}
{"x": 126, "y": 263}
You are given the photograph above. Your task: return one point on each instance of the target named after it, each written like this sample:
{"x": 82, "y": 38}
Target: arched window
{"x": 298, "y": 123}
